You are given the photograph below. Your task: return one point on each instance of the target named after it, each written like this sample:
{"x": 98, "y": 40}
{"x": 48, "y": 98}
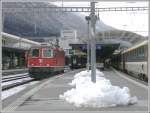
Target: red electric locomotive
{"x": 45, "y": 60}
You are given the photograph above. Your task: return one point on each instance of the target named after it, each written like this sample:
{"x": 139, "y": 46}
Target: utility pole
{"x": 93, "y": 44}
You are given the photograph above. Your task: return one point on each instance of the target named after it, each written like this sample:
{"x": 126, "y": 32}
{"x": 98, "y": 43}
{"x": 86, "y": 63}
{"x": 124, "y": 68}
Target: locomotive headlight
{"x": 47, "y": 64}
{"x": 79, "y": 64}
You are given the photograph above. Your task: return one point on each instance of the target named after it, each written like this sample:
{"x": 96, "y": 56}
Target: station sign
{"x": 84, "y": 46}
{"x": 98, "y": 46}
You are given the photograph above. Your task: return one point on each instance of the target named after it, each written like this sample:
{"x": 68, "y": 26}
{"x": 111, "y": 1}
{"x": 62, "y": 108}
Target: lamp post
{"x": 88, "y": 44}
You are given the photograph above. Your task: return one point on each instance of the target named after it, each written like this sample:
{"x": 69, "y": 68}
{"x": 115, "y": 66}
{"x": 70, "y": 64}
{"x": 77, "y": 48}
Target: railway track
{"x": 12, "y": 81}
{"x": 14, "y": 71}
{"x": 14, "y": 77}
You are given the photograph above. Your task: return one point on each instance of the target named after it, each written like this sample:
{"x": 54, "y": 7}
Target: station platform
{"x": 46, "y": 96}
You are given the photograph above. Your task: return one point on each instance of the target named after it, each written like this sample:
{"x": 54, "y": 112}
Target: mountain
{"x": 34, "y": 20}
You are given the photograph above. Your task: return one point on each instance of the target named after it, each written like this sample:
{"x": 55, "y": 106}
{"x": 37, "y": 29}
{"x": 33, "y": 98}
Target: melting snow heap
{"x": 99, "y": 94}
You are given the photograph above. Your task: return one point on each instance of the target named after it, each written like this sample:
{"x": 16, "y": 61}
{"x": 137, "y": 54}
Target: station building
{"x": 14, "y": 50}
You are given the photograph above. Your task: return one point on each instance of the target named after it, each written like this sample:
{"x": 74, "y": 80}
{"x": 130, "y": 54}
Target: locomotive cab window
{"x": 35, "y": 53}
{"x": 47, "y": 52}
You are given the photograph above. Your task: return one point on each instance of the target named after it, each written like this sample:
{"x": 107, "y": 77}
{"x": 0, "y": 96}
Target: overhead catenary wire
{"x": 75, "y": 9}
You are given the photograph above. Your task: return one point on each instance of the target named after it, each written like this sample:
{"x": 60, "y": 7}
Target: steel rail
{"x": 14, "y": 78}
{"x": 13, "y": 71}
{"x": 6, "y": 87}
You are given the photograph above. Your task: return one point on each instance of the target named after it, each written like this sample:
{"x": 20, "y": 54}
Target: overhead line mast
{"x": 93, "y": 43}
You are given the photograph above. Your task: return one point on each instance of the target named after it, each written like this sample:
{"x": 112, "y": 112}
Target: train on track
{"x": 44, "y": 61}
{"x": 78, "y": 61}
{"x": 133, "y": 60}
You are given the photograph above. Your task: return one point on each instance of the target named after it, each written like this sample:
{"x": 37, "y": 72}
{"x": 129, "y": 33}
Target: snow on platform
{"x": 99, "y": 94}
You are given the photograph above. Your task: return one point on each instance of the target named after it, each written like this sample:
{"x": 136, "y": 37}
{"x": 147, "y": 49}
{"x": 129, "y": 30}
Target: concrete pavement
{"x": 47, "y": 98}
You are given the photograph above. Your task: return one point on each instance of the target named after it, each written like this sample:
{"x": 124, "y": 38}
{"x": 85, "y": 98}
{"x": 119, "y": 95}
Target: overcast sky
{"x": 136, "y": 21}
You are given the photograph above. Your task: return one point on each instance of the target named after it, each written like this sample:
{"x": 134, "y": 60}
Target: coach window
{"x": 138, "y": 52}
{"x": 35, "y": 52}
{"x": 47, "y": 52}
{"x": 130, "y": 54}
{"x": 143, "y": 51}
{"x": 135, "y": 52}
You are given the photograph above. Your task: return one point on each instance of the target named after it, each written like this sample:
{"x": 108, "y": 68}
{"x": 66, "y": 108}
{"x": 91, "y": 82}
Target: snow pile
{"x": 85, "y": 76}
{"x": 99, "y": 94}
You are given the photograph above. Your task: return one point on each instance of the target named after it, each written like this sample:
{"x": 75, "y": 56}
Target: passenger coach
{"x": 133, "y": 60}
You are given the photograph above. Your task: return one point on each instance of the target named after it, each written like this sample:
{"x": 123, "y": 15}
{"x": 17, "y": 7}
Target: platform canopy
{"x": 102, "y": 50}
